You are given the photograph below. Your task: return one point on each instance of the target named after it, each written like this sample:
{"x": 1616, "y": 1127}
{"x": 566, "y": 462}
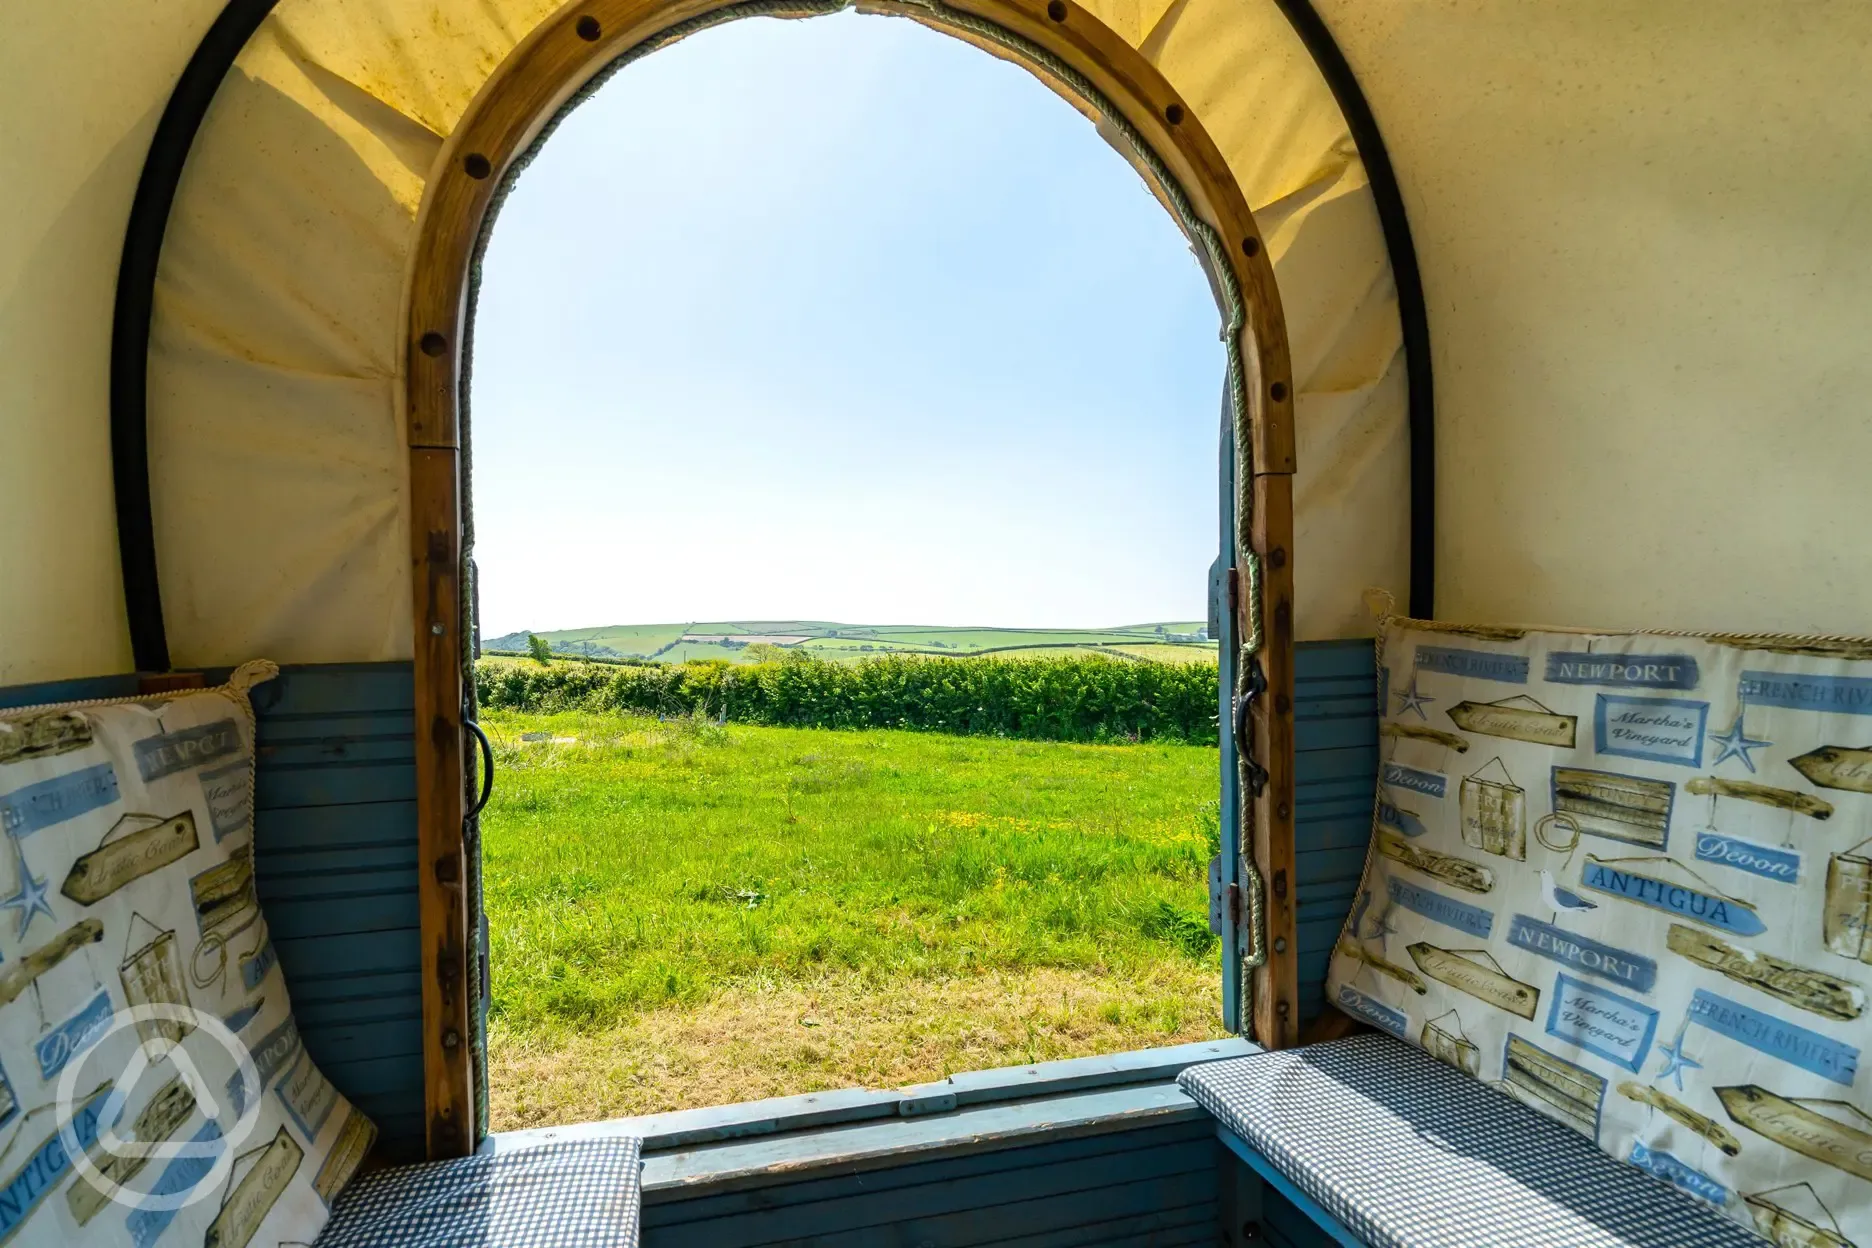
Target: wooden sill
{"x": 727, "y": 1147}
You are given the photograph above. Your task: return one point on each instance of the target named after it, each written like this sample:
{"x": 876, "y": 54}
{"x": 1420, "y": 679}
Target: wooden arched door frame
{"x": 513, "y": 109}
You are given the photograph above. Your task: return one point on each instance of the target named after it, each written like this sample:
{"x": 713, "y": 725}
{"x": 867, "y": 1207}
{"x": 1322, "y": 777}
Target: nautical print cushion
{"x": 1627, "y": 879}
{"x": 153, "y": 1089}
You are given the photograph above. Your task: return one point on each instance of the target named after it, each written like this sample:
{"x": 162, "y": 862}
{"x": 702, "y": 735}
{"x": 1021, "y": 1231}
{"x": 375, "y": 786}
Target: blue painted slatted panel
{"x": 85, "y": 689}
{"x": 335, "y": 867}
{"x": 1284, "y": 1226}
{"x": 1149, "y": 1186}
{"x": 1335, "y": 781}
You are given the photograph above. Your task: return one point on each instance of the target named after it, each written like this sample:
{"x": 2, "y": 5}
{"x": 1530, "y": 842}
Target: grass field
{"x": 684, "y": 914}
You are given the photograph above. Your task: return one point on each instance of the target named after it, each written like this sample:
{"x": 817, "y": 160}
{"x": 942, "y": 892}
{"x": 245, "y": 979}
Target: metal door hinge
{"x": 1238, "y": 907}
{"x": 1224, "y": 899}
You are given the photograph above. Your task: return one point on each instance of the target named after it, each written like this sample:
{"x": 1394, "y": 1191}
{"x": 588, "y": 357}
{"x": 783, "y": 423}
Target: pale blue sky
{"x": 840, "y": 319}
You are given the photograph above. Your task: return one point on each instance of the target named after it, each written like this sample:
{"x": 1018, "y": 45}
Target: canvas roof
{"x": 1643, "y": 231}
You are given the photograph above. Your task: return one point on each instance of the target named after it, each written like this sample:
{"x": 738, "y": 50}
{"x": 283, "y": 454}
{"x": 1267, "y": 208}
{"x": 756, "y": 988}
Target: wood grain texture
{"x": 518, "y": 100}
{"x": 440, "y": 800}
{"x": 1276, "y": 984}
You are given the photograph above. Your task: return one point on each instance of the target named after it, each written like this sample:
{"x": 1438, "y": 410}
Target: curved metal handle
{"x": 1253, "y": 773}
{"x": 487, "y": 768}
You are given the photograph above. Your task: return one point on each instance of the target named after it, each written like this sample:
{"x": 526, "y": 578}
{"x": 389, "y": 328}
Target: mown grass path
{"x": 685, "y": 914}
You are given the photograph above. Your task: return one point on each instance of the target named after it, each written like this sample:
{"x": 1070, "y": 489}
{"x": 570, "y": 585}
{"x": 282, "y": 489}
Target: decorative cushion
{"x": 153, "y": 1089}
{"x": 579, "y": 1194}
{"x": 1627, "y": 879}
{"x": 1410, "y": 1154}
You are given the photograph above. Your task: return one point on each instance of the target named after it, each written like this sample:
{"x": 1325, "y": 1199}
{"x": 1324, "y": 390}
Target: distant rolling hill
{"x": 1178, "y": 642}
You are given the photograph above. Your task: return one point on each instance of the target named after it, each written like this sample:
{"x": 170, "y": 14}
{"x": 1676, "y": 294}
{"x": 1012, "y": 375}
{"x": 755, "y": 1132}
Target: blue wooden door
{"x": 1222, "y": 625}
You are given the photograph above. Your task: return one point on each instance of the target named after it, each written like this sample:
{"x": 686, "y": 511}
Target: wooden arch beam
{"x": 525, "y": 93}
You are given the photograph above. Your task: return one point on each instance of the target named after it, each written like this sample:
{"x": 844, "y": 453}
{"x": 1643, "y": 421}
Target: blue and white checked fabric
{"x": 579, "y": 1194}
{"x": 1411, "y": 1153}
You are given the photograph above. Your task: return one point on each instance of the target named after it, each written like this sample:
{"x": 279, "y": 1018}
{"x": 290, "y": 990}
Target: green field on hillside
{"x": 689, "y": 914}
{"x": 1177, "y": 641}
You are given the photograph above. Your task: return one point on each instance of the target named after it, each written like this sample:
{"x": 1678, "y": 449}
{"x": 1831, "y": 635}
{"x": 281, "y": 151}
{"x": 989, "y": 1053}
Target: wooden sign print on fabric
{"x": 268, "y": 1171}
{"x": 1417, "y": 732}
{"x": 1847, "y": 924}
{"x": 24, "y": 973}
{"x": 1517, "y": 719}
{"x": 130, "y": 852}
{"x": 1787, "y": 1228}
{"x": 1619, "y": 807}
{"x": 1641, "y": 905}
{"x": 161, "y": 1117}
{"x": 1839, "y": 1137}
{"x": 1494, "y": 812}
{"x": 1682, "y": 1114}
{"x": 1391, "y": 969}
{"x": 40, "y": 736}
{"x": 151, "y": 974}
{"x": 1479, "y": 976}
{"x": 354, "y": 1142}
{"x": 1446, "y": 867}
{"x": 1450, "y": 1044}
{"x": 1766, "y": 795}
{"x": 1837, "y": 767}
{"x": 1553, "y": 1085}
{"x": 1815, "y": 991}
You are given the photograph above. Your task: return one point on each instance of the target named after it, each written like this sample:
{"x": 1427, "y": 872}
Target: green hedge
{"x": 1080, "y": 698}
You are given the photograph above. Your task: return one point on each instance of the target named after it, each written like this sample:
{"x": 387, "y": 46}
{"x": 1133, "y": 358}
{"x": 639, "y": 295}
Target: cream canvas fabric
{"x": 1639, "y": 227}
{"x": 276, "y": 355}
{"x": 1627, "y": 879}
{"x": 153, "y": 1088}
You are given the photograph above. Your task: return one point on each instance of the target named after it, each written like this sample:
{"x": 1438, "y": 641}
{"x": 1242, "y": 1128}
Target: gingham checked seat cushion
{"x": 580, "y": 1194}
{"x": 1410, "y": 1153}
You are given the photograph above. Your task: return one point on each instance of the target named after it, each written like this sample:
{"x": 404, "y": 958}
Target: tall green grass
{"x": 1081, "y": 698}
{"x": 632, "y": 863}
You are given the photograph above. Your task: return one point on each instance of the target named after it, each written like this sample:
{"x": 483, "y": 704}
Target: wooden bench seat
{"x": 1385, "y": 1147}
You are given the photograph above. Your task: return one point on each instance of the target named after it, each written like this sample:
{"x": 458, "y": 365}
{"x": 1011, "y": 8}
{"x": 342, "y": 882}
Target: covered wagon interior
{"x": 1538, "y": 594}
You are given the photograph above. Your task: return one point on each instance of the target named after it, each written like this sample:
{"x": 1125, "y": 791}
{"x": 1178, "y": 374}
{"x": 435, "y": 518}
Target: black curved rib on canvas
{"x": 1415, "y": 319}
{"x": 130, "y": 322}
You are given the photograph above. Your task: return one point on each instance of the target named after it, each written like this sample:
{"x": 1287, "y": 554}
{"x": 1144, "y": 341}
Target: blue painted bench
{"x": 1382, "y": 1146}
